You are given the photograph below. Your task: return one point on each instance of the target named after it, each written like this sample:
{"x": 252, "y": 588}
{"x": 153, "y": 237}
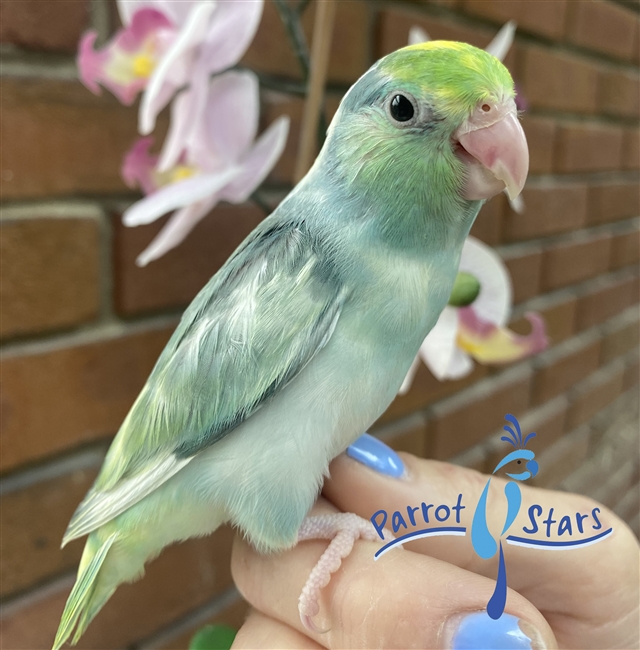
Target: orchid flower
{"x": 476, "y": 328}
{"x": 165, "y": 45}
{"x": 220, "y": 161}
{"x": 499, "y": 47}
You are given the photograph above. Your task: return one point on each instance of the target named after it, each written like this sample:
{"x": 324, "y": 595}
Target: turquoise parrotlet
{"x": 303, "y": 338}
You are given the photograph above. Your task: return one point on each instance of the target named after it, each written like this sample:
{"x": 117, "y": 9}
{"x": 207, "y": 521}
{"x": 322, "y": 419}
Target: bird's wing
{"x": 248, "y": 333}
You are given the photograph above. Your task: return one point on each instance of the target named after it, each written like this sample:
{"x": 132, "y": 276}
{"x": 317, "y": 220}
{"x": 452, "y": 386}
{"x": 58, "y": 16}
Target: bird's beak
{"x": 494, "y": 149}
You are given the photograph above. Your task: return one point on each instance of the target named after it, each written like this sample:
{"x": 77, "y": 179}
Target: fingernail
{"x": 375, "y": 454}
{"x": 478, "y": 631}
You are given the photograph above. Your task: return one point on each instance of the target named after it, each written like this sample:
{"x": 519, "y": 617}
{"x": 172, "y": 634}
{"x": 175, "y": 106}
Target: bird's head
{"x": 521, "y": 465}
{"x": 440, "y": 114}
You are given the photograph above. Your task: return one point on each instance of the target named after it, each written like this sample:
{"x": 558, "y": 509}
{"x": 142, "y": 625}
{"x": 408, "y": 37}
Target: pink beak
{"x": 494, "y": 148}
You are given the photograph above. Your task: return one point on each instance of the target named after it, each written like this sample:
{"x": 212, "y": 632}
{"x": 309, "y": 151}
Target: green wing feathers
{"x": 85, "y": 600}
{"x": 249, "y": 332}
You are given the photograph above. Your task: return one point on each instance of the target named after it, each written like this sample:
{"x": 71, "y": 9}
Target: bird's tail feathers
{"x": 84, "y": 601}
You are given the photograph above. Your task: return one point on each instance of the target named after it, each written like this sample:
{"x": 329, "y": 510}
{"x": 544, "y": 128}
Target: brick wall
{"x": 82, "y": 325}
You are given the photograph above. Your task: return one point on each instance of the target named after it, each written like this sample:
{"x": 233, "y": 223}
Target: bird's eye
{"x": 519, "y": 462}
{"x": 401, "y": 108}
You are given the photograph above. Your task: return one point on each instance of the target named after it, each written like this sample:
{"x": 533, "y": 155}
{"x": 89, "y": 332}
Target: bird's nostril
{"x": 486, "y": 108}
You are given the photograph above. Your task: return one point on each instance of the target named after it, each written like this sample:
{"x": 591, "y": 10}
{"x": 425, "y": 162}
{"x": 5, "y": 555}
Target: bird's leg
{"x": 343, "y": 529}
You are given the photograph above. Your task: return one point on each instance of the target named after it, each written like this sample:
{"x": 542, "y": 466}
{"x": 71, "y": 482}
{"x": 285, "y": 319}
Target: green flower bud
{"x": 465, "y": 290}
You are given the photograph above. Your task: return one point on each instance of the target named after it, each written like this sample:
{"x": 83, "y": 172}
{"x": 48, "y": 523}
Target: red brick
{"x": 276, "y": 104}
{"x": 58, "y": 138}
{"x": 546, "y": 18}
{"x": 271, "y": 50}
{"x": 588, "y": 147}
{"x": 602, "y": 26}
{"x": 176, "y": 278}
{"x": 621, "y": 336}
{"x": 628, "y": 506}
{"x": 615, "y": 486}
{"x": 546, "y": 421}
{"x": 560, "y": 368}
{"x": 563, "y": 458}
{"x": 575, "y": 260}
{"x": 488, "y": 225}
{"x": 619, "y": 93}
{"x": 551, "y": 208}
{"x": 56, "y": 399}
{"x": 49, "y": 273}
{"x": 541, "y": 138}
{"x": 408, "y": 435}
{"x": 606, "y": 298}
{"x": 425, "y": 390}
{"x": 474, "y": 458}
{"x": 632, "y": 374}
{"x": 465, "y": 419}
{"x": 612, "y": 201}
{"x": 33, "y": 522}
{"x": 558, "y": 312}
{"x": 631, "y": 149}
{"x": 625, "y": 249}
{"x": 184, "y": 577}
{"x": 595, "y": 393}
{"x": 395, "y": 25}
{"x": 443, "y": 3}
{"x": 51, "y": 26}
{"x": 524, "y": 263}
{"x": 558, "y": 81}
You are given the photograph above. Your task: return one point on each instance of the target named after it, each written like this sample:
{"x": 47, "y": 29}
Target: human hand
{"x": 434, "y": 593}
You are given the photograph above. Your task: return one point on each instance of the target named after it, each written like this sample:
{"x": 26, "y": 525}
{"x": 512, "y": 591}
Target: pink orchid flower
{"x": 165, "y": 45}
{"x": 220, "y": 162}
{"x": 477, "y": 331}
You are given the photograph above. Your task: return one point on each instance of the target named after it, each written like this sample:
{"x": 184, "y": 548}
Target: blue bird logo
{"x": 482, "y": 540}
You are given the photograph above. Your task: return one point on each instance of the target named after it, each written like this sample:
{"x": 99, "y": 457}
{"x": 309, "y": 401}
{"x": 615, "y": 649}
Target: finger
{"x": 561, "y": 585}
{"x": 260, "y": 631}
{"x": 404, "y": 600}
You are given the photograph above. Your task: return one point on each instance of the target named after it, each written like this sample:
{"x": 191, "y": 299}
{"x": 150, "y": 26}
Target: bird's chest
{"x": 401, "y": 298}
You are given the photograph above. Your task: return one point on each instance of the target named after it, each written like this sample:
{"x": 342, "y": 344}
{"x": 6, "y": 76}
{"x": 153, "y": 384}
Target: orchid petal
{"x": 231, "y": 31}
{"x": 231, "y": 115}
{"x": 138, "y": 166}
{"x": 175, "y": 231}
{"x": 460, "y": 365}
{"x": 493, "y": 303}
{"x": 179, "y": 10}
{"x": 438, "y": 348}
{"x": 124, "y": 64}
{"x": 517, "y": 204}
{"x": 127, "y": 8}
{"x": 411, "y": 373}
{"x": 170, "y": 74}
{"x": 418, "y": 35}
{"x": 502, "y": 41}
{"x": 176, "y": 195}
{"x": 490, "y": 344}
{"x": 182, "y": 120}
{"x": 90, "y": 62}
{"x": 259, "y": 162}
{"x": 521, "y": 101}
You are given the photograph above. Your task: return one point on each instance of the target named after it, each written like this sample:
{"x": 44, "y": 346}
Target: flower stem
{"x": 322, "y": 31}
{"x": 291, "y": 20}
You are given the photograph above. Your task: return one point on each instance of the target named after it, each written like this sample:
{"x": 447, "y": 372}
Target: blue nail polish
{"x": 375, "y": 454}
{"x": 477, "y": 631}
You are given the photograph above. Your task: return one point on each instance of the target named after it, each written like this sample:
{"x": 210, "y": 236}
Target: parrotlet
{"x": 303, "y": 338}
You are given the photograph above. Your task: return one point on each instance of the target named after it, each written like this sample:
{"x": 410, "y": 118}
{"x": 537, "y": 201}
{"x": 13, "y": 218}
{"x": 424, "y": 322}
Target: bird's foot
{"x": 343, "y": 529}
